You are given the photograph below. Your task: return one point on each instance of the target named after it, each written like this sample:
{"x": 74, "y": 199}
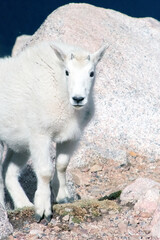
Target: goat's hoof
{"x": 48, "y": 218}
{"x": 38, "y": 218}
{"x": 66, "y": 200}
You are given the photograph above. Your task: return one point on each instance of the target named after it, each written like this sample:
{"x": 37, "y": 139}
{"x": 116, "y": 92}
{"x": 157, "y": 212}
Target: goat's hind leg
{"x": 14, "y": 162}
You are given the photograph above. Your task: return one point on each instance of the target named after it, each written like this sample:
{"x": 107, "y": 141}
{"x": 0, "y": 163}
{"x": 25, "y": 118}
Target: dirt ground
{"x": 90, "y": 219}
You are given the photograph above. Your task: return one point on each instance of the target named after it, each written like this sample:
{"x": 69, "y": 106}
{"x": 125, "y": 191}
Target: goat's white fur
{"x": 37, "y": 107}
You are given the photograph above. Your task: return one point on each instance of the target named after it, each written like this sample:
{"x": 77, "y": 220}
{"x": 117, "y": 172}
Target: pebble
{"x": 11, "y": 238}
{"x": 66, "y": 217}
{"x": 68, "y": 209}
{"x": 122, "y": 227}
{"x": 34, "y": 231}
{"x": 96, "y": 168}
{"x": 53, "y": 222}
{"x": 103, "y": 210}
{"x": 57, "y": 229}
{"x": 112, "y": 212}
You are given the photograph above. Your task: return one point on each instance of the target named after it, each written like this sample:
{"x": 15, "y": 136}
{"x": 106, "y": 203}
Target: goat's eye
{"x": 92, "y": 74}
{"x": 67, "y": 73}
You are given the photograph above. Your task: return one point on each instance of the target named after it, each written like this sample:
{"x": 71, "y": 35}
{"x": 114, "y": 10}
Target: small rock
{"x": 111, "y": 212}
{"x": 66, "y": 218}
{"x": 57, "y": 229}
{"x": 133, "y": 192}
{"x": 96, "y": 168}
{"x": 11, "y": 237}
{"x": 68, "y": 209}
{"x": 103, "y": 210}
{"x": 132, "y": 222}
{"x": 53, "y": 221}
{"x": 47, "y": 231}
{"x": 122, "y": 227}
{"x": 35, "y": 231}
{"x": 133, "y": 154}
{"x": 155, "y": 224}
{"x": 155, "y": 232}
{"x": 145, "y": 214}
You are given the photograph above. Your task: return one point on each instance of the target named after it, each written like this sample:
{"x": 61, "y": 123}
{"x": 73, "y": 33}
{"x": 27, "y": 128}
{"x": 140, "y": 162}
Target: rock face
{"x": 5, "y": 227}
{"x": 127, "y": 90}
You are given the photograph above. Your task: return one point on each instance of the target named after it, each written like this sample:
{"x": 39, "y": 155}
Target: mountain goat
{"x": 45, "y": 96}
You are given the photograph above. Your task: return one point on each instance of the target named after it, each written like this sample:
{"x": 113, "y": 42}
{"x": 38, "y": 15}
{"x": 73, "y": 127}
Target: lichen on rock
{"x": 86, "y": 208}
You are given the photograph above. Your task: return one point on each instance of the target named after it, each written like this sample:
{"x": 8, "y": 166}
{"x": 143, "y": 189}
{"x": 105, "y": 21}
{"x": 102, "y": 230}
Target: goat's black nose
{"x": 78, "y": 99}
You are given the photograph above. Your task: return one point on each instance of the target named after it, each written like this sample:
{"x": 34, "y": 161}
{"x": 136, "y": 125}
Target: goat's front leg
{"x": 40, "y": 152}
{"x": 63, "y": 154}
{"x": 14, "y": 162}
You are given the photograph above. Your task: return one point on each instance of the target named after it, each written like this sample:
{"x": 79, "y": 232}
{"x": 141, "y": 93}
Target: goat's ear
{"x": 96, "y": 57}
{"x": 61, "y": 56}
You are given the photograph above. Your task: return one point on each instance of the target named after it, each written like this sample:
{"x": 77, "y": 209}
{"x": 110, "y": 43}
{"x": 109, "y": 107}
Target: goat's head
{"x": 79, "y": 71}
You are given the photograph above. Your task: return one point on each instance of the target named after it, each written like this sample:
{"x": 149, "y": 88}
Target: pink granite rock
{"x": 145, "y": 193}
{"x": 127, "y": 87}
{"x": 138, "y": 190}
{"x": 147, "y": 203}
{"x": 155, "y": 224}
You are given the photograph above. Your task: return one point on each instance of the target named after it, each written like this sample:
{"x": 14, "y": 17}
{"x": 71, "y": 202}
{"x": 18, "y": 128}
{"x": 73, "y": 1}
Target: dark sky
{"x": 19, "y": 17}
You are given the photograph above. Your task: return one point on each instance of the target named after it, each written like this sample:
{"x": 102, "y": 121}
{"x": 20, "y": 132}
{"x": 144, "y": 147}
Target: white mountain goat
{"x": 45, "y": 96}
